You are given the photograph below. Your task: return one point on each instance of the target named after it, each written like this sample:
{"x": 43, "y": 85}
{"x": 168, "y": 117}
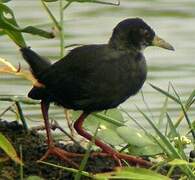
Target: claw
{"x": 19, "y": 68}
{"x": 60, "y": 153}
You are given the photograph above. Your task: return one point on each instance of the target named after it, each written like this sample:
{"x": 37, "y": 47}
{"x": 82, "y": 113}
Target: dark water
{"x": 90, "y": 23}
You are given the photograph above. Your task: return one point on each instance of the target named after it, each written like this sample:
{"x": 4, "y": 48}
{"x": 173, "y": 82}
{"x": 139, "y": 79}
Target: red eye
{"x": 146, "y": 33}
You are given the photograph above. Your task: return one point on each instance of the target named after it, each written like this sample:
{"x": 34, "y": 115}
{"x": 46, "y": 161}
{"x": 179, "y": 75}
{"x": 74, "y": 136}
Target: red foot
{"x": 120, "y": 156}
{"x": 60, "y": 153}
{"x": 133, "y": 160}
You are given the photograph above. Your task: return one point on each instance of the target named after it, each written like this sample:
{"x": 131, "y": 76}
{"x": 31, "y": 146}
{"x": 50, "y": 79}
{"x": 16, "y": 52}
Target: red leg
{"x": 45, "y": 109}
{"x": 52, "y": 150}
{"x": 107, "y": 149}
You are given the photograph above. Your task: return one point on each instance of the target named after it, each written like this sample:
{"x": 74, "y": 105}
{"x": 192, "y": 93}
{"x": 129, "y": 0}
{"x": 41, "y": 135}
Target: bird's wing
{"x": 86, "y": 74}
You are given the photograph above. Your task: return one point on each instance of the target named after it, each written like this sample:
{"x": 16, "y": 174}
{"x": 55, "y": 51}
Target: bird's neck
{"x": 121, "y": 44}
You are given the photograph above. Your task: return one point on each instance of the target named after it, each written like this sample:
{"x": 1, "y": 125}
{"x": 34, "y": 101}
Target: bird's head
{"x": 136, "y": 34}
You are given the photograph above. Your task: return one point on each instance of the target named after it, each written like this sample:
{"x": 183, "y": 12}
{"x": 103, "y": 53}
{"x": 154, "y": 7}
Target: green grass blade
{"x": 84, "y": 173}
{"x": 108, "y": 119}
{"x": 187, "y": 106}
{"x": 146, "y": 104}
{"x": 176, "y": 134}
{"x": 164, "y": 139}
{"x": 85, "y": 158}
{"x": 174, "y": 153}
{"x": 165, "y": 93}
{"x": 163, "y": 110}
{"x": 7, "y": 147}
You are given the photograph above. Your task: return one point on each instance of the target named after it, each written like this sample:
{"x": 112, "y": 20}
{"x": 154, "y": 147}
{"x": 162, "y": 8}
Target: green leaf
{"x": 110, "y": 136}
{"x": 133, "y": 136}
{"x": 9, "y": 25}
{"x": 148, "y": 150}
{"x": 36, "y": 31}
{"x": 131, "y": 173}
{"x": 7, "y": 147}
{"x": 140, "y": 143}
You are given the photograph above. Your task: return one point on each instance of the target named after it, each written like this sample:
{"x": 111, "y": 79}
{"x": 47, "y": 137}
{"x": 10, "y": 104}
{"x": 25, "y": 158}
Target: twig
{"x": 54, "y": 125}
{"x": 7, "y": 109}
{"x": 61, "y": 129}
{"x": 67, "y": 116}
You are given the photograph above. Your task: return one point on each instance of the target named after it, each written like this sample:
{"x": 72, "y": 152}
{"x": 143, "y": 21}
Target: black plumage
{"x": 95, "y": 77}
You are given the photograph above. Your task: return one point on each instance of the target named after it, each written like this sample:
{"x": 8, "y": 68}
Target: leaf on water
{"x": 148, "y": 150}
{"x": 133, "y": 136}
{"x": 131, "y": 173}
{"x": 139, "y": 143}
{"x": 110, "y": 136}
{"x": 9, "y": 68}
{"x": 107, "y": 131}
{"x": 7, "y": 147}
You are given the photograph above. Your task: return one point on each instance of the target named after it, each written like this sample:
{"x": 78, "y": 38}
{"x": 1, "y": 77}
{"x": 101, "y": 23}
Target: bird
{"x": 94, "y": 77}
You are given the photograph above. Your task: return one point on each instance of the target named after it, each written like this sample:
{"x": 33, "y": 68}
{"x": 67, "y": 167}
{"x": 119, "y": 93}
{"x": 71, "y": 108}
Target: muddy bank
{"x": 33, "y": 148}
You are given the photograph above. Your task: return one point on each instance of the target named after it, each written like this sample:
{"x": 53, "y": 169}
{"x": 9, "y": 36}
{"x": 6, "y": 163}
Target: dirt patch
{"x": 33, "y": 147}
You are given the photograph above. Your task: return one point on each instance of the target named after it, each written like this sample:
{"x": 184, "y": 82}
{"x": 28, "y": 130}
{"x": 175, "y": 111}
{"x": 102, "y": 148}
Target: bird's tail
{"x": 37, "y": 63}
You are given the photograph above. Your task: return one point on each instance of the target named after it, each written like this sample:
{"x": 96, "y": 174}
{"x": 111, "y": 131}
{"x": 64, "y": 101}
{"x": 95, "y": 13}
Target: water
{"x": 91, "y": 23}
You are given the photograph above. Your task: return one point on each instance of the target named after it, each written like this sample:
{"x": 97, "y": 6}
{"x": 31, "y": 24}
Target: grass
{"x": 172, "y": 143}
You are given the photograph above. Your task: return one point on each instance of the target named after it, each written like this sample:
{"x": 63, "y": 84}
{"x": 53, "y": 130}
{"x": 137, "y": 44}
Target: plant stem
{"x": 67, "y": 169}
{"x": 51, "y": 16}
{"x": 62, "y": 29}
{"x": 68, "y": 4}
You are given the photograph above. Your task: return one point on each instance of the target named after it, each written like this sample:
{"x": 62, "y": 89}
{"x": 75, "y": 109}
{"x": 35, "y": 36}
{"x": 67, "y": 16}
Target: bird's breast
{"x": 137, "y": 74}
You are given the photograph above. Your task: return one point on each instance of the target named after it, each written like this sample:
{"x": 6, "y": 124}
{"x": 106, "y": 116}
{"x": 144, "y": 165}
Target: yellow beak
{"x": 162, "y": 43}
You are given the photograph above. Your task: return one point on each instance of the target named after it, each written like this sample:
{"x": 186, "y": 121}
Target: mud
{"x": 33, "y": 148}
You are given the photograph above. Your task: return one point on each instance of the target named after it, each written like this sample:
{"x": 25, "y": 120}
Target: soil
{"x": 33, "y": 148}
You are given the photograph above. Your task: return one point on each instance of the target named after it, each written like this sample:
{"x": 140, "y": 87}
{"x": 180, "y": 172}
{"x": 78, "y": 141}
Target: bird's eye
{"x": 146, "y": 33}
